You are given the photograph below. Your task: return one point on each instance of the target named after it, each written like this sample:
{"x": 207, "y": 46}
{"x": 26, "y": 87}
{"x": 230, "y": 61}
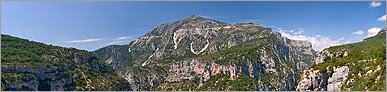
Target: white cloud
{"x": 382, "y": 18}
{"x": 319, "y": 42}
{"x": 373, "y": 31}
{"x": 83, "y": 40}
{"x": 375, "y": 3}
{"x": 358, "y": 33}
{"x": 123, "y": 38}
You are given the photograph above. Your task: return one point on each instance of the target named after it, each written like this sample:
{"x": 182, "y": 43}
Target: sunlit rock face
{"x": 313, "y": 80}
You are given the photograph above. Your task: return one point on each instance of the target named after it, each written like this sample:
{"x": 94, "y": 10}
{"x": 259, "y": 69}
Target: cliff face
{"x": 28, "y": 65}
{"x": 195, "y": 49}
{"x": 350, "y": 67}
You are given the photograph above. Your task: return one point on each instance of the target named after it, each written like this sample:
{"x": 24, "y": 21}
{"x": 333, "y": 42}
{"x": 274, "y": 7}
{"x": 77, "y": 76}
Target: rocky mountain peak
{"x": 191, "y": 22}
{"x": 195, "y": 17}
{"x": 196, "y": 21}
{"x": 198, "y": 35}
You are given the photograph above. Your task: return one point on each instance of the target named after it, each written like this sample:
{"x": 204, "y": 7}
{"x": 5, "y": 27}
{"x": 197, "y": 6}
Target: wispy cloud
{"x": 298, "y": 32}
{"x": 116, "y": 42}
{"x": 120, "y": 40}
{"x": 375, "y": 3}
{"x": 360, "y": 32}
{"x": 83, "y": 40}
{"x": 373, "y": 31}
{"x": 123, "y": 38}
{"x": 382, "y": 18}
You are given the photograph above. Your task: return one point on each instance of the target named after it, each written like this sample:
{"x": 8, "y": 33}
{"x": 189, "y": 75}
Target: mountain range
{"x": 197, "y": 54}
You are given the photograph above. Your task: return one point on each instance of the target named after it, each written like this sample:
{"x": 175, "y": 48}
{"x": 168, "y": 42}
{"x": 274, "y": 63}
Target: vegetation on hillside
{"x": 26, "y": 61}
{"x": 366, "y": 61}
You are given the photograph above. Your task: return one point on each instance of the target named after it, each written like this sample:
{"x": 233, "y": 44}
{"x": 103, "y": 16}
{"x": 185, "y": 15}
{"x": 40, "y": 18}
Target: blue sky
{"x": 91, "y": 25}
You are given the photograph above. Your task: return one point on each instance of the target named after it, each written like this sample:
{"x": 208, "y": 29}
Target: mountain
{"x": 351, "y": 67}
{"x": 29, "y": 65}
{"x": 197, "y": 53}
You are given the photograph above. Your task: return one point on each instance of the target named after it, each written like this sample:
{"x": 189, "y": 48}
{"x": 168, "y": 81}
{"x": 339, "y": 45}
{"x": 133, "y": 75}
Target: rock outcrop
{"x": 339, "y": 76}
{"x": 314, "y": 80}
